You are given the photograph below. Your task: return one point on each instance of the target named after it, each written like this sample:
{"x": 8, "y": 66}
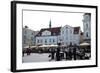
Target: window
{"x": 37, "y": 40}
{"x": 87, "y": 34}
{"x": 24, "y": 37}
{"x": 24, "y": 42}
{"x": 53, "y": 40}
{"x": 41, "y": 40}
{"x": 45, "y": 41}
{"x": 67, "y": 31}
{"x": 25, "y": 32}
{"x": 62, "y": 32}
{"x": 70, "y": 31}
{"x": 49, "y": 40}
{"x": 54, "y": 33}
{"x": 86, "y": 26}
{"x": 32, "y": 33}
{"x": 66, "y": 37}
{"x": 32, "y": 38}
{"x": 62, "y": 38}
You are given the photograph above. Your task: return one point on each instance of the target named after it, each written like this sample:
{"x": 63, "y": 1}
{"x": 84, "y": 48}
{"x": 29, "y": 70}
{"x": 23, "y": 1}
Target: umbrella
{"x": 26, "y": 47}
{"x": 44, "y": 46}
{"x": 33, "y": 46}
{"x": 48, "y": 46}
{"x": 84, "y": 44}
{"x": 53, "y": 46}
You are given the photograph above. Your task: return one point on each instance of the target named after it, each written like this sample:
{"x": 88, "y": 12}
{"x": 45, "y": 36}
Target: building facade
{"x": 87, "y": 27}
{"x": 65, "y": 35}
{"x": 70, "y": 35}
{"x": 48, "y": 36}
{"x": 28, "y": 36}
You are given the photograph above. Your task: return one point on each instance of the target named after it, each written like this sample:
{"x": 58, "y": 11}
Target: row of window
{"x": 45, "y": 40}
{"x": 67, "y": 38}
{"x": 32, "y": 33}
{"x": 32, "y": 38}
{"x": 67, "y": 31}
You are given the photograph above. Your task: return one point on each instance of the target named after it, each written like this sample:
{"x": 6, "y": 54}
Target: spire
{"x": 50, "y": 24}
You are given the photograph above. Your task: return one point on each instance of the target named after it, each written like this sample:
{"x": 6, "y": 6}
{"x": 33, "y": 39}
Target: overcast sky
{"x": 36, "y": 20}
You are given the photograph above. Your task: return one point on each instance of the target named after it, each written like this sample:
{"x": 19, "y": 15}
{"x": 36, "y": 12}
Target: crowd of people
{"x": 64, "y": 53}
{"x": 68, "y": 53}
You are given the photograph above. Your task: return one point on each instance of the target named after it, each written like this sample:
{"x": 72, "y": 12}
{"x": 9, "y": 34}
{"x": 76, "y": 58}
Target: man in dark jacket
{"x": 52, "y": 51}
{"x": 74, "y": 52}
{"x": 58, "y": 52}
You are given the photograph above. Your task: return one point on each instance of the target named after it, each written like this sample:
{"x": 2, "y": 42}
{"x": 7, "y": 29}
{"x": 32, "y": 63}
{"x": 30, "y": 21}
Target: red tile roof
{"x": 54, "y": 31}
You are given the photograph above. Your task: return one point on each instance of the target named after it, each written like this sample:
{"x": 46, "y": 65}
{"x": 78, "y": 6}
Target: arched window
{"x": 87, "y": 34}
{"x": 53, "y": 40}
{"x": 37, "y": 40}
{"x": 50, "y": 40}
{"x": 62, "y": 32}
{"x": 45, "y": 41}
{"x": 86, "y": 26}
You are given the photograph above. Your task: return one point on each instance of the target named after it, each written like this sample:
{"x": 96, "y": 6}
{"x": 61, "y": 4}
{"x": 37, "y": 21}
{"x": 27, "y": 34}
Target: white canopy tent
{"x": 30, "y": 46}
{"x": 48, "y": 46}
{"x": 85, "y": 44}
{"x": 33, "y": 46}
{"x": 53, "y": 45}
{"x": 26, "y": 47}
{"x": 44, "y": 46}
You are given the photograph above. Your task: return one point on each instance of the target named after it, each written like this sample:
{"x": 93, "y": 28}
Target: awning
{"x": 33, "y": 46}
{"x": 85, "y": 44}
{"x": 48, "y": 46}
{"x": 26, "y": 47}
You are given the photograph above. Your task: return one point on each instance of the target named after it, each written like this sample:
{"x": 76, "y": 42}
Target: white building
{"x": 77, "y": 35}
{"x": 87, "y": 27}
{"x": 65, "y": 35}
{"x": 28, "y": 36}
{"x": 70, "y": 35}
{"x": 48, "y": 36}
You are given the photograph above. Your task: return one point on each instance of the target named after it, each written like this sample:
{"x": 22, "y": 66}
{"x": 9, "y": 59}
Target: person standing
{"x": 23, "y": 52}
{"x": 58, "y": 53}
{"x": 82, "y": 54}
{"x": 52, "y": 53}
{"x": 66, "y": 53}
{"x": 70, "y": 54}
{"x": 74, "y": 52}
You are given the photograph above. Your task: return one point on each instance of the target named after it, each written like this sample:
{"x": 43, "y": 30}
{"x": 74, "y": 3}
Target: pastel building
{"x": 48, "y": 36}
{"x": 28, "y": 36}
{"x": 65, "y": 35}
{"x": 87, "y": 27}
{"x": 70, "y": 35}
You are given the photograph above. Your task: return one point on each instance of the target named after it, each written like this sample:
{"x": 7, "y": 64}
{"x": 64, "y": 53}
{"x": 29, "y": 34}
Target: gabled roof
{"x": 54, "y": 31}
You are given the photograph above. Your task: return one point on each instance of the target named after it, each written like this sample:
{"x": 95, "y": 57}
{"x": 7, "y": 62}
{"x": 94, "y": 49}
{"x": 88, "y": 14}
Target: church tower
{"x": 87, "y": 26}
{"x": 50, "y": 24}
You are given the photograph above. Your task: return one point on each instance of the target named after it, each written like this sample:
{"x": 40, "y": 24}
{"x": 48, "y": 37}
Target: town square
{"x": 57, "y": 43}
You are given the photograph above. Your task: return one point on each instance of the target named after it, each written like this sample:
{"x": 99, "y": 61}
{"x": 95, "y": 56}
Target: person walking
{"x": 58, "y": 52}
